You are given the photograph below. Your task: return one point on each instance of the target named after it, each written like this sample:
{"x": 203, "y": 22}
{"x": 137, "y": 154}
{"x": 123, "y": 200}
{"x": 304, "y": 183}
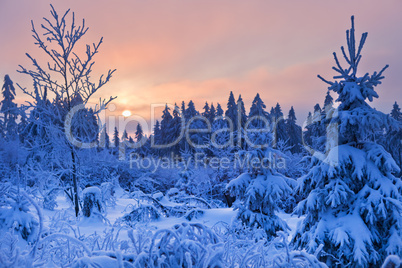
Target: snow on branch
{"x": 347, "y": 75}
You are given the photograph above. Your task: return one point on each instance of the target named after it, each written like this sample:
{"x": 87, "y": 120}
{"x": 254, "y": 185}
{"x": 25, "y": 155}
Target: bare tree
{"x": 66, "y": 77}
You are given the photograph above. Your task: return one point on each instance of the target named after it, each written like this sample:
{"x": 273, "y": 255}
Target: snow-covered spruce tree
{"x": 65, "y": 77}
{"x": 257, "y": 110}
{"x": 156, "y": 137}
{"x": 166, "y": 130}
{"x": 206, "y": 110}
{"x": 177, "y": 127}
{"x": 231, "y": 111}
{"x": 140, "y": 141}
{"x": 15, "y": 214}
{"x": 125, "y": 135}
{"x": 241, "y": 112}
{"x": 104, "y": 140}
{"x": 294, "y": 133}
{"x": 84, "y": 123}
{"x": 194, "y": 140}
{"x": 308, "y": 130}
{"x": 259, "y": 124}
{"x": 354, "y": 203}
{"x": 326, "y": 115}
{"x": 258, "y": 190}
{"x": 392, "y": 138}
{"x": 318, "y": 129}
{"x": 328, "y": 102}
{"x": 279, "y": 126}
{"x": 10, "y": 150}
{"x": 396, "y": 112}
{"x": 9, "y": 109}
{"x": 212, "y": 113}
{"x": 139, "y": 133}
{"x": 116, "y": 138}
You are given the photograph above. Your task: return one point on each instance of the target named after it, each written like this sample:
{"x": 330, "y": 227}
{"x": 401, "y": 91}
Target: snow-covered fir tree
{"x": 190, "y": 111}
{"x": 219, "y": 110}
{"x": 257, "y": 192}
{"x": 328, "y": 102}
{"x": 156, "y": 137}
{"x": 23, "y": 122}
{"x": 317, "y": 114}
{"x": 257, "y": 110}
{"x": 193, "y": 122}
{"x": 396, "y": 112}
{"x": 353, "y": 201}
{"x": 212, "y": 113}
{"x": 85, "y": 125}
{"x": 116, "y": 138}
{"x": 294, "y": 133}
{"x": 206, "y": 111}
{"x": 231, "y": 111}
{"x": 166, "y": 126}
{"x": 241, "y": 112}
{"x": 258, "y": 120}
{"x": 9, "y": 109}
{"x": 307, "y": 133}
{"x": 141, "y": 141}
{"x": 392, "y": 138}
{"x": 139, "y": 133}
{"x": 318, "y": 129}
{"x": 279, "y": 127}
{"x": 104, "y": 140}
{"x": 326, "y": 115}
{"x": 178, "y": 127}
{"x": 124, "y": 137}
{"x": 241, "y": 119}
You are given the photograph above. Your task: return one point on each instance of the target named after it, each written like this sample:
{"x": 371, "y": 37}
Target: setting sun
{"x": 126, "y": 113}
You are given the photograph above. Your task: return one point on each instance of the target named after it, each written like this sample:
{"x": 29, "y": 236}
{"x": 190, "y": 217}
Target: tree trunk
{"x": 75, "y": 184}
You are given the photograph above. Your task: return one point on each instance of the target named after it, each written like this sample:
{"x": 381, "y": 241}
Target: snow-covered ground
{"x": 89, "y": 226}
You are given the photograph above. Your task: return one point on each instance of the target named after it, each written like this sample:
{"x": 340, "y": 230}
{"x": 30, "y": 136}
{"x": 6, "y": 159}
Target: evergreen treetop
{"x": 396, "y": 112}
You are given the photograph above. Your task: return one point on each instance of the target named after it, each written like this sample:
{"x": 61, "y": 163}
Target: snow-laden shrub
{"x": 186, "y": 245}
{"x": 194, "y": 214}
{"x": 146, "y": 184}
{"x": 174, "y": 204}
{"x": 14, "y": 214}
{"x": 144, "y": 213}
{"x": 392, "y": 261}
{"x": 125, "y": 179}
{"x": 108, "y": 192}
{"x": 45, "y": 182}
{"x": 183, "y": 183}
{"x": 247, "y": 247}
{"x": 141, "y": 239}
{"x": 10, "y": 252}
{"x": 92, "y": 201}
{"x": 49, "y": 199}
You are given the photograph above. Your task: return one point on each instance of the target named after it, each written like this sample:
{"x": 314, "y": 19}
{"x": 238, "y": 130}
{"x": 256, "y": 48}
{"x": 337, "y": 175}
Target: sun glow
{"x": 126, "y": 113}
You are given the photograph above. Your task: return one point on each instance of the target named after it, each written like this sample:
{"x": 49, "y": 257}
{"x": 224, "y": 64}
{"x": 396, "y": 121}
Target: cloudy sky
{"x": 170, "y": 51}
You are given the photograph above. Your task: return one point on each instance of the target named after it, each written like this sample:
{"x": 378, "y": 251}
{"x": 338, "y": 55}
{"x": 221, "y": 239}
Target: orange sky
{"x": 169, "y": 51}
